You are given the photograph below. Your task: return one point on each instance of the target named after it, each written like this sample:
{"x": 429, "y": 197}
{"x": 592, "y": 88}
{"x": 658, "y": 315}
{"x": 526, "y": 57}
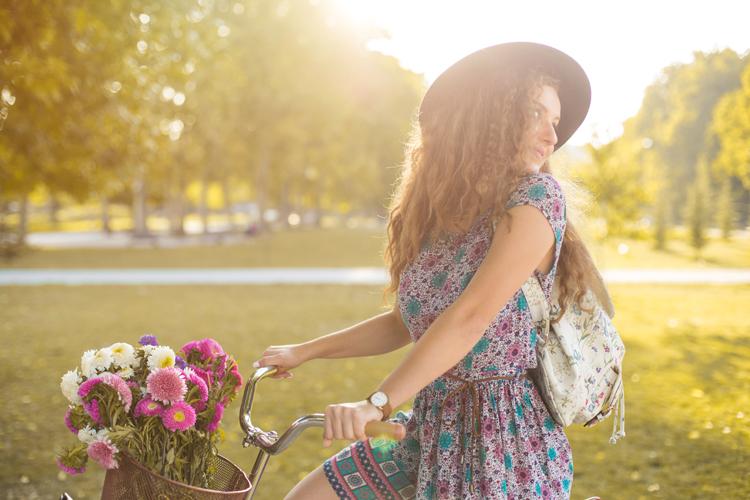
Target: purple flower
{"x": 148, "y": 340}
{"x": 180, "y": 363}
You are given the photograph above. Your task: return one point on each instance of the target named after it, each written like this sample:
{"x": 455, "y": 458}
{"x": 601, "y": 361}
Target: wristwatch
{"x": 380, "y": 400}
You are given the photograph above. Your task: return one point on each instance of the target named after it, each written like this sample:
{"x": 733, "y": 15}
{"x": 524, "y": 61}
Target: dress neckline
{"x": 483, "y": 216}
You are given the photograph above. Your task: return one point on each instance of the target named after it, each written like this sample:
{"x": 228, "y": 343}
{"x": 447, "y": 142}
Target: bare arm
{"x": 519, "y": 249}
{"x": 514, "y": 254}
{"x": 379, "y": 335}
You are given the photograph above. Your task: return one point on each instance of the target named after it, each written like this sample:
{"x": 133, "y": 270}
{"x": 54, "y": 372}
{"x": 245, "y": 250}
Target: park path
{"x": 309, "y": 276}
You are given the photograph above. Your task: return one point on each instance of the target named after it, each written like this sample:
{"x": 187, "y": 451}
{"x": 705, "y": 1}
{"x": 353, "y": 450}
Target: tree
{"x": 697, "y": 207}
{"x": 726, "y": 214}
{"x": 731, "y": 124}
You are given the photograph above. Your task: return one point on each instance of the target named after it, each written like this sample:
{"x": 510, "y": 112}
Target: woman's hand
{"x": 348, "y": 420}
{"x": 285, "y": 357}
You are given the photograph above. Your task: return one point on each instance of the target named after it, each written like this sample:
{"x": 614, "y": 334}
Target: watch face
{"x": 379, "y": 399}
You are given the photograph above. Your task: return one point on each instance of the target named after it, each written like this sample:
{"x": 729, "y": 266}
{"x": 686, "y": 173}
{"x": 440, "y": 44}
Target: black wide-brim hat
{"x": 463, "y": 76}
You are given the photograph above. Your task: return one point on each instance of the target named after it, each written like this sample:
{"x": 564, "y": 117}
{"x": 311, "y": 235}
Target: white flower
{"x": 126, "y": 373}
{"x": 123, "y": 354}
{"x": 103, "y": 359}
{"x": 147, "y": 349}
{"x": 188, "y": 371}
{"x": 71, "y": 381}
{"x": 161, "y": 357}
{"x": 87, "y": 363}
{"x": 87, "y": 435}
{"x": 144, "y": 392}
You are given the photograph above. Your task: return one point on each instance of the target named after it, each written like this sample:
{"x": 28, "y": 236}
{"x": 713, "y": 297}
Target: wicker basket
{"x": 132, "y": 481}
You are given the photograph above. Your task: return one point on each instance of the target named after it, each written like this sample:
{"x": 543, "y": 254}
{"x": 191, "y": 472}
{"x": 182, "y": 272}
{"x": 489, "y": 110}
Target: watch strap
{"x": 386, "y": 408}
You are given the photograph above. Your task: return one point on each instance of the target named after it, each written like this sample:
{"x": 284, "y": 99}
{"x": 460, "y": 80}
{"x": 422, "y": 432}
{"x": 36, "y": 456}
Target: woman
{"x": 478, "y": 429}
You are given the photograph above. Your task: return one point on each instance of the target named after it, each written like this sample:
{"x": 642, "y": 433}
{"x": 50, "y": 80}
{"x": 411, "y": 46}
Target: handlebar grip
{"x": 389, "y": 430}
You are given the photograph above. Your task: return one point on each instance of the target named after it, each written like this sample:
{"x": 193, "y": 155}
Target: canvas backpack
{"x": 579, "y": 358}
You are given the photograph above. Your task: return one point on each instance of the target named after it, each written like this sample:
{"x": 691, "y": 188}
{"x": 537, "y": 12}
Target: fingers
{"x": 347, "y": 421}
{"x": 328, "y": 427}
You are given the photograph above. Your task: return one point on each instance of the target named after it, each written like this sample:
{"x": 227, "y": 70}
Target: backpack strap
{"x": 539, "y": 307}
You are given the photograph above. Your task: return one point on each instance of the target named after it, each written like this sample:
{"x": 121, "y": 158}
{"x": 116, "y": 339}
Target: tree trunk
{"x": 54, "y": 206}
{"x": 203, "y": 209}
{"x": 105, "y": 215}
{"x": 177, "y": 208}
{"x": 261, "y": 187}
{"x": 139, "y": 205}
{"x": 23, "y": 218}
{"x": 227, "y": 202}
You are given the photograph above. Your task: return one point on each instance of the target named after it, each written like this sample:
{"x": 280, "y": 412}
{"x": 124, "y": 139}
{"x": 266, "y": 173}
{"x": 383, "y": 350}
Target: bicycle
{"x": 268, "y": 443}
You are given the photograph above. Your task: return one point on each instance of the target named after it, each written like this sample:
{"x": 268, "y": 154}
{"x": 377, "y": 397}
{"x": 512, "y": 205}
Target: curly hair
{"x": 466, "y": 155}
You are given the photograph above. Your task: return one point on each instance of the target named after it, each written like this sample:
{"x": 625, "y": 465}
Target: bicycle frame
{"x": 268, "y": 443}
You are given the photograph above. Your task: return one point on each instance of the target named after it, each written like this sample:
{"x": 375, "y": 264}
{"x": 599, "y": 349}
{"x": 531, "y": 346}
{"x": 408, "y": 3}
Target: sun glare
{"x": 359, "y": 10}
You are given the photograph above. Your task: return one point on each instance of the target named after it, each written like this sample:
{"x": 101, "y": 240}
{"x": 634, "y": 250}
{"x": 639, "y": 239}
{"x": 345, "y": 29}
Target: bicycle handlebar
{"x": 271, "y": 444}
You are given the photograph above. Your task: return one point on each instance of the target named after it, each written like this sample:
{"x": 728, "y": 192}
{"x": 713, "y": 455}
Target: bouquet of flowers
{"x": 161, "y": 408}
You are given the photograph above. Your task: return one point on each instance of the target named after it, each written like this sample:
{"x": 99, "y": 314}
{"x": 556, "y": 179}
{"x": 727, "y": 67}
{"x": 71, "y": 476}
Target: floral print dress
{"x": 479, "y": 431}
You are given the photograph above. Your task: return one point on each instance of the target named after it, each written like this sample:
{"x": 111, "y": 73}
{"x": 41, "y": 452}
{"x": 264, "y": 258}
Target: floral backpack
{"x": 579, "y": 358}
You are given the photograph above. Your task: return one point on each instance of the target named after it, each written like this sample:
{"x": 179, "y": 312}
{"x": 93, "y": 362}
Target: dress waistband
{"x": 475, "y": 417}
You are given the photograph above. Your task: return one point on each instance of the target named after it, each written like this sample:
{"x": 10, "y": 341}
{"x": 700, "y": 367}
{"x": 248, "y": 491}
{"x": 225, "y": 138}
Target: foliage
{"x": 732, "y": 127}
{"x": 162, "y": 409}
{"x": 726, "y": 214}
{"x": 620, "y": 176}
{"x": 650, "y": 168}
{"x": 135, "y": 100}
{"x": 697, "y": 208}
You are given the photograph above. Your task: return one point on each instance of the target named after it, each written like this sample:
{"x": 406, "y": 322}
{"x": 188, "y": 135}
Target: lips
{"x": 538, "y": 153}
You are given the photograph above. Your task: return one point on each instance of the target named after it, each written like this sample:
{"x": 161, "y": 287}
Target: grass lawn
{"x": 354, "y": 248}
{"x": 687, "y": 371}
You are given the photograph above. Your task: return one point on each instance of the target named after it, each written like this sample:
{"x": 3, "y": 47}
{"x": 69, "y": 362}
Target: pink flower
{"x": 189, "y": 347}
{"x": 119, "y": 385}
{"x": 222, "y": 366}
{"x": 206, "y": 376}
{"x": 147, "y": 407}
{"x": 210, "y": 349}
{"x": 235, "y": 371}
{"x": 216, "y": 420}
{"x": 179, "y": 417}
{"x": 103, "y": 451}
{"x": 202, "y": 389}
{"x": 69, "y": 424}
{"x": 92, "y": 408}
{"x": 71, "y": 470}
{"x": 166, "y": 385}
{"x": 86, "y": 387}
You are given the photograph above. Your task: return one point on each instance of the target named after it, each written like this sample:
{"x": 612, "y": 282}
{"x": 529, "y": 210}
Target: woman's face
{"x": 543, "y": 135}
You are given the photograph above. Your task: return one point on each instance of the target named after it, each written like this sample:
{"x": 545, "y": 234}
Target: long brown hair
{"x": 465, "y": 155}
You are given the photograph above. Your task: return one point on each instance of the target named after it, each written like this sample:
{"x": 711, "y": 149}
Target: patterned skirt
{"x": 368, "y": 471}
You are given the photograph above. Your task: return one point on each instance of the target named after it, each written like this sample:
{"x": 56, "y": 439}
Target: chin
{"x": 533, "y": 169}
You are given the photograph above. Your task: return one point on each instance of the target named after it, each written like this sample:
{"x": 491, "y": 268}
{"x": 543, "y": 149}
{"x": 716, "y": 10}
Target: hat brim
{"x": 574, "y": 91}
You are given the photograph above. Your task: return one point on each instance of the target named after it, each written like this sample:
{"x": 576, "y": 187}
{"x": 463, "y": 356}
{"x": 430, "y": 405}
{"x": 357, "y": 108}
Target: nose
{"x": 548, "y": 134}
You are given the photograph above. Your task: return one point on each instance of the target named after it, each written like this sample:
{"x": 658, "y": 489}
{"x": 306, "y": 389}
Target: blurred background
{"x": 203, "y": 134}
